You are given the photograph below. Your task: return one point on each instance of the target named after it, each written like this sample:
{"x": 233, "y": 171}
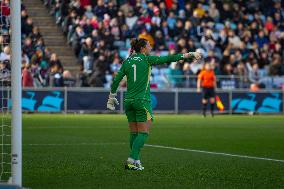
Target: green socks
{"x": 132, "y": 137}
{"x": 138, "y": 144}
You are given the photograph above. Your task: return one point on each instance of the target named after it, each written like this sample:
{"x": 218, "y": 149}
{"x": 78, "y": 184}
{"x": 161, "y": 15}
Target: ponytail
{"x": 131, "y": 51}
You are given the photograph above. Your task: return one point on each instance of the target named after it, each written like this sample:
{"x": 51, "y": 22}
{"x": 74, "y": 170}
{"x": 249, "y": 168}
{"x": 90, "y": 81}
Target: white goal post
{"x": 16, "y": 93}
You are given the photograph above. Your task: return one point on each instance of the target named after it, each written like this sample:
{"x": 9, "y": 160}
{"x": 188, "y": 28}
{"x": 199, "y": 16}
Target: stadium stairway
{"x": 53, "y": 36}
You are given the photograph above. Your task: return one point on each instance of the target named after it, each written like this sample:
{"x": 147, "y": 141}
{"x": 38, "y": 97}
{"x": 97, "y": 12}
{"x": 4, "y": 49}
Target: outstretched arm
{"x": 156, "y": 60}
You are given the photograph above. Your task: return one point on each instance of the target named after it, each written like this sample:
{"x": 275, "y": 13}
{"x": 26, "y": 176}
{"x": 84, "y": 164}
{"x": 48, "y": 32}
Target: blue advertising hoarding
{"x": 43, "y": 101}
{"x": 36, "y": 101}
{"x": 163, "y": 101}
{"x": 257, "y": 102}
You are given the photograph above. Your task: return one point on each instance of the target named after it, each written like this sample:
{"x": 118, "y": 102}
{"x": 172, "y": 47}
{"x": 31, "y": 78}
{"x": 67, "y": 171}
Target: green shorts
{"x": 138, "y": 110}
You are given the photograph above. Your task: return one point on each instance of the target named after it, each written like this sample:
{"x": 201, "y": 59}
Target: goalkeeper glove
{"x": 195, "y": 55}
{"x": 112, "y": 101}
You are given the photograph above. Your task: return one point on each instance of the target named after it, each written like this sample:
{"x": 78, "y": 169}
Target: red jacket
{"x": 169, "y": 4}
{"x": 85, "y": 3}
{"x": 27, "y": 78}
{"x": 5, "y": 9}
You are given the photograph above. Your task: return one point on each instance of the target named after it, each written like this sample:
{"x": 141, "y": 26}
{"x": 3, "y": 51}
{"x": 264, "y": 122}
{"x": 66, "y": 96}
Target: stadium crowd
{"x": 241, "y": 39}
{"x": 40, "y": 67}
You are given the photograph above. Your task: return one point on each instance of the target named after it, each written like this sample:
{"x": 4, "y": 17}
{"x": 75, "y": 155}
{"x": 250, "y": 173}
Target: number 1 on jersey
{"x": 134, "y": 69}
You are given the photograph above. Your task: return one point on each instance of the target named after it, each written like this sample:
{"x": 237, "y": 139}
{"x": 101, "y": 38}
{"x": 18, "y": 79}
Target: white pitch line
{"x": 75, "y": 144}
{"x": 163, "y": 147}
{"x": 60, "y": 127}
{"x": 215, "y": 153}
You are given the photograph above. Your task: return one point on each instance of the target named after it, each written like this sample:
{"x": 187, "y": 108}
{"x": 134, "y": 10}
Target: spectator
{"x": 226, "y": 12}
{"x": 214, "y": 12}
{"x": 68, "y": 79}
{"x": 276, "y": 67}
{"x": 241, "y": 70}
{"x": 207, "y": 41}
{"x": 263, "y": 61}
{"x": 241, "y": 73}
{"x": 156, "y": 19}
{"x": 5, "y": 13}
{"x": 190, "y": 31}
{"x": 253, "y": 72}
{"x": 87, "y": 48}
{"x": 115, "y": 66}
{"x": 131, "y": 19}
{"x": 243, "y": 32}
{"x": 38, "y": 81}
{"x": 269, "y": 24}
{"x": 37, "y": 57}
{"x": 87, "y": 64}
{"x": 25, "y": 57}
{"x": 108, "y": 39}
{"x": 178, "y": 30}
{"x": 159, "y": 41}
{"x": 56, "y": 78}
{"x": 115, "y": 30}
{"x": 24, "y": 17}
{"x": 171, "y": 20}
{"x": 55, "y": 61}
{"x": 97, "y": 79}
{"x": 76, "y": 39}
{"x": 233, "y": 39}
{"x": 228, "y": 70}
{"x": 35, "y": 35}
{"x": 199, "y": 11}
{"x": 28, "y": 27}
{"x": 27, "y": 77}
{"x": 89, "y": 13}
{"x": 261, "y": 39}
{"x": 100, "y": 9}
{"x": 5, "y": 69}
{"x": 28, "y": 47}
{"x": 6, "y": 54}
{"x": 5, "y": 8}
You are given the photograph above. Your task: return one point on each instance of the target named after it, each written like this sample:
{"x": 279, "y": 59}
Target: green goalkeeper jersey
{"x": 137, "y": 69}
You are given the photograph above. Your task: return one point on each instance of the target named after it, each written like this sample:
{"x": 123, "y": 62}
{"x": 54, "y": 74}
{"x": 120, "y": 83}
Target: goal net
{"x": 5, "y": 83}
{"x": 5, "y": 135}
{"x": 5, "y": 132}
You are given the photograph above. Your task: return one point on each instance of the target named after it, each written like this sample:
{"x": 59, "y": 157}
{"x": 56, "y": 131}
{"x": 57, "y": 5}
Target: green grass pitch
{"x": 88, "y": 151}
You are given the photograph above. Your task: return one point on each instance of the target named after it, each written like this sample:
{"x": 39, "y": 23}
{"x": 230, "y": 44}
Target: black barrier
{"x": 72, "y": 100}
{"x": 191, "y": 101}
{"x": 163, "y": 101}
{"x": 87, "y": 100}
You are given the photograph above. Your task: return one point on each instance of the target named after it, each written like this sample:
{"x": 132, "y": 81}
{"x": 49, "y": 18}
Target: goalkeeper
{"x": 137, "y": 103}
